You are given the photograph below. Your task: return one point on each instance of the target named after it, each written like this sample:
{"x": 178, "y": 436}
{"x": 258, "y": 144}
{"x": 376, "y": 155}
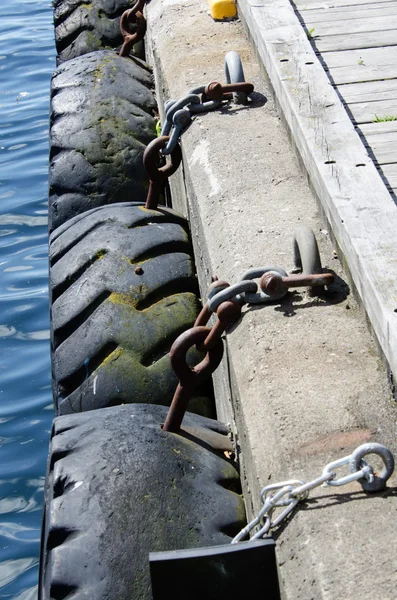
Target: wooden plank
{"x": 357, "y": 7}
{"x": 327, "y": 15}
{"x": 371, "y": 57}
{"x": 369, "y": 91}
{"x": 303, "y": 5}
{"x": 380, "y": 24}
{"x": 356, "y": 202}
{"x": 390, "y": 172}
{"x": 369, "y": 39}
{"x": 366, "y": 112}
{"x": 342, "y": 75}
{"x": 387, "y": 137}
{"x": 353, "y": 66}
{"x": 384, "y": 147}
{"x": 378, "y": 128}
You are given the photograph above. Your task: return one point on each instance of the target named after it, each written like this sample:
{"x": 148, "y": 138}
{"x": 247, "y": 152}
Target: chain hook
{"x": 129, "y": 17}
{"x": 210, "y": 341}
{"x": 189, "y": 377}
{"x": 158, "y": 175}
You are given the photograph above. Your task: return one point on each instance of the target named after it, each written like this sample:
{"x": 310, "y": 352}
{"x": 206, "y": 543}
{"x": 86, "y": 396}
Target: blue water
{"x": 27, "y": 60}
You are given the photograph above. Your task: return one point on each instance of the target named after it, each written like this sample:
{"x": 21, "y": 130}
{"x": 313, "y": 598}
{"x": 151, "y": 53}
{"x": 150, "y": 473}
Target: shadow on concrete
{"x": 255, "y": 100}
{"x": 292, "y": 302}
{"x": 328, "y": 501}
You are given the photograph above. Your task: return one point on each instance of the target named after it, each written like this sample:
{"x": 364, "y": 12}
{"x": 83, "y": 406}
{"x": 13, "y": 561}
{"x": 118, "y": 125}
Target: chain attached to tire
{"x": 179, "y": 115}
{"x": 158, "y": 175}
{"x": 287, "y": 494}
{"x": 130, "y": 17}
{"x": 210, "y": 341}
{"x": 226, "y": 301}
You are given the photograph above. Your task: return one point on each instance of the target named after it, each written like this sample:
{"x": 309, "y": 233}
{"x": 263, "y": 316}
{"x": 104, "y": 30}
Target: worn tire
{"x": 101, "y": 121}
{"x": 118, "y": 487}
{"x": 82, "y": 27}
{"x": 123, "y": 287}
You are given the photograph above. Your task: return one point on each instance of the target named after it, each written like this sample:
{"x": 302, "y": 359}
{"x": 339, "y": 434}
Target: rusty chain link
{"x": 159, "y": 174}
{"x": 208, "y": 339}
{"x": 179, "y": 113}
{"x": 132, "y": 16}
{"x": 178, "y": 119}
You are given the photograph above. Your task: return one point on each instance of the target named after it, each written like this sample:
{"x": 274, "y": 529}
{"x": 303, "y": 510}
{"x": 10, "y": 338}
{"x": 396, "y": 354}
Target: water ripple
{"x": 27, "y": 60}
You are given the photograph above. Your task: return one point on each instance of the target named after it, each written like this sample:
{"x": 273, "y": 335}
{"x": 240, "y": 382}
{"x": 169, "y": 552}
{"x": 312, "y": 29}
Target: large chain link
{"x": 288, "y": 494}
{"x": 179, "y": 113}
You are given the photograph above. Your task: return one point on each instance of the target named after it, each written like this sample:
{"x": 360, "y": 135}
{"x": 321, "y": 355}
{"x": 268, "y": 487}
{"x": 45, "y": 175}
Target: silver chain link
{"x": 246, "y": 290}
{"x": 179, "y": 113}
{"x": 288, "y": 494}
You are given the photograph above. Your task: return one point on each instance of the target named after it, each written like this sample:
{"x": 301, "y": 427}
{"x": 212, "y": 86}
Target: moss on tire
{"x": 123, "y": 287}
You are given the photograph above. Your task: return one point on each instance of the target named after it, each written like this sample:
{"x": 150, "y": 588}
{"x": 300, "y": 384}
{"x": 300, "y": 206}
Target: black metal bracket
{"x": 230, "y": 572}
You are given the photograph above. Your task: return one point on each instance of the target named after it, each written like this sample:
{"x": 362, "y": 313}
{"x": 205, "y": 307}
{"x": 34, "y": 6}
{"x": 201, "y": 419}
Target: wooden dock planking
{"x": 351, "y": 74}
{"x": 383, "y": 146}
{"x": 367, "y": 64}
{"x": 371, "y": 57}
{"x": 367, "y": 112}
{"x": 353, "y": 41}
{"x": 352, "y": 26}
{"x": 357, "y": 43}
{"x": 343, "y": 13}
{"x": 390, "y": 172}
{"x": 369, "y": 91}
{"x": 302, "y": 5}
{"x": 375, "y": 128}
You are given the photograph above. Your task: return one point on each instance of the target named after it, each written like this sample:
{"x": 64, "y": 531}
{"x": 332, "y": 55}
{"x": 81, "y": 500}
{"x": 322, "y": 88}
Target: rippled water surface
{"x": 27, "y": 60}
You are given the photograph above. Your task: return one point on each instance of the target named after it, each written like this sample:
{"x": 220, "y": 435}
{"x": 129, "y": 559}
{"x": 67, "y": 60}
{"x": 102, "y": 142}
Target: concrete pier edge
{"x": 301, "y": 383}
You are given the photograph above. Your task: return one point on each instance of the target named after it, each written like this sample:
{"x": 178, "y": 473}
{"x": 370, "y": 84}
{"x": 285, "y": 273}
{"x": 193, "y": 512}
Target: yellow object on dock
{"x": 222, "y": 9}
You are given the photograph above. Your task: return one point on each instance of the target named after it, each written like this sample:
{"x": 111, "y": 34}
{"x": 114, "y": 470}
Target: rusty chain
{"x": 179, "y": 113}
{"x": 178, "y": 118}
{"x": 159, "y": 174}
{"x": 208, "y": 339}
{"x": 132, "y": 16}
{"x": 226, "y": 301}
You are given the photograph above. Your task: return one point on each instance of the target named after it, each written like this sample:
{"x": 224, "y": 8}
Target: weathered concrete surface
{"x": 302, "y": 381}
{"x": 354, "y": 197}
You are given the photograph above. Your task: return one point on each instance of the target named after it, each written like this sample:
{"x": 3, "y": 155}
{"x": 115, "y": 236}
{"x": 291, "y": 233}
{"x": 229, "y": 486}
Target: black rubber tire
{"x": 123, "y": 287}
{"x": 101, "y": 121}
{"x": 118, "y": 487}
{"x": 82, "y": 27}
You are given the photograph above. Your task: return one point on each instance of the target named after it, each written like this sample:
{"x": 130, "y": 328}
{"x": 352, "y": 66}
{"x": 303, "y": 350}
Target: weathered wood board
{"x": 354, "y": 196}
{"x": 343, "y": 13}
{"x": 390, "y": 172}
{"x": 352, "y": 26}
{"x": 302, "y": 5}
{"x": 369, "y": 91}
{"x": 368, "y": 112}
{"x": 365, "y": 57}
{"x": 361, "y": 72}
{"x": 383, "y": 146}
{"x": 375, "y": 128}
{"x": 368, "y": 39}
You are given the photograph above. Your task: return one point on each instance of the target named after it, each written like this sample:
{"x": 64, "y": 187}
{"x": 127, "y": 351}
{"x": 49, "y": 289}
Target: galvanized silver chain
{"x": 287, "y": 494}
{"x": 179, "y": 113}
